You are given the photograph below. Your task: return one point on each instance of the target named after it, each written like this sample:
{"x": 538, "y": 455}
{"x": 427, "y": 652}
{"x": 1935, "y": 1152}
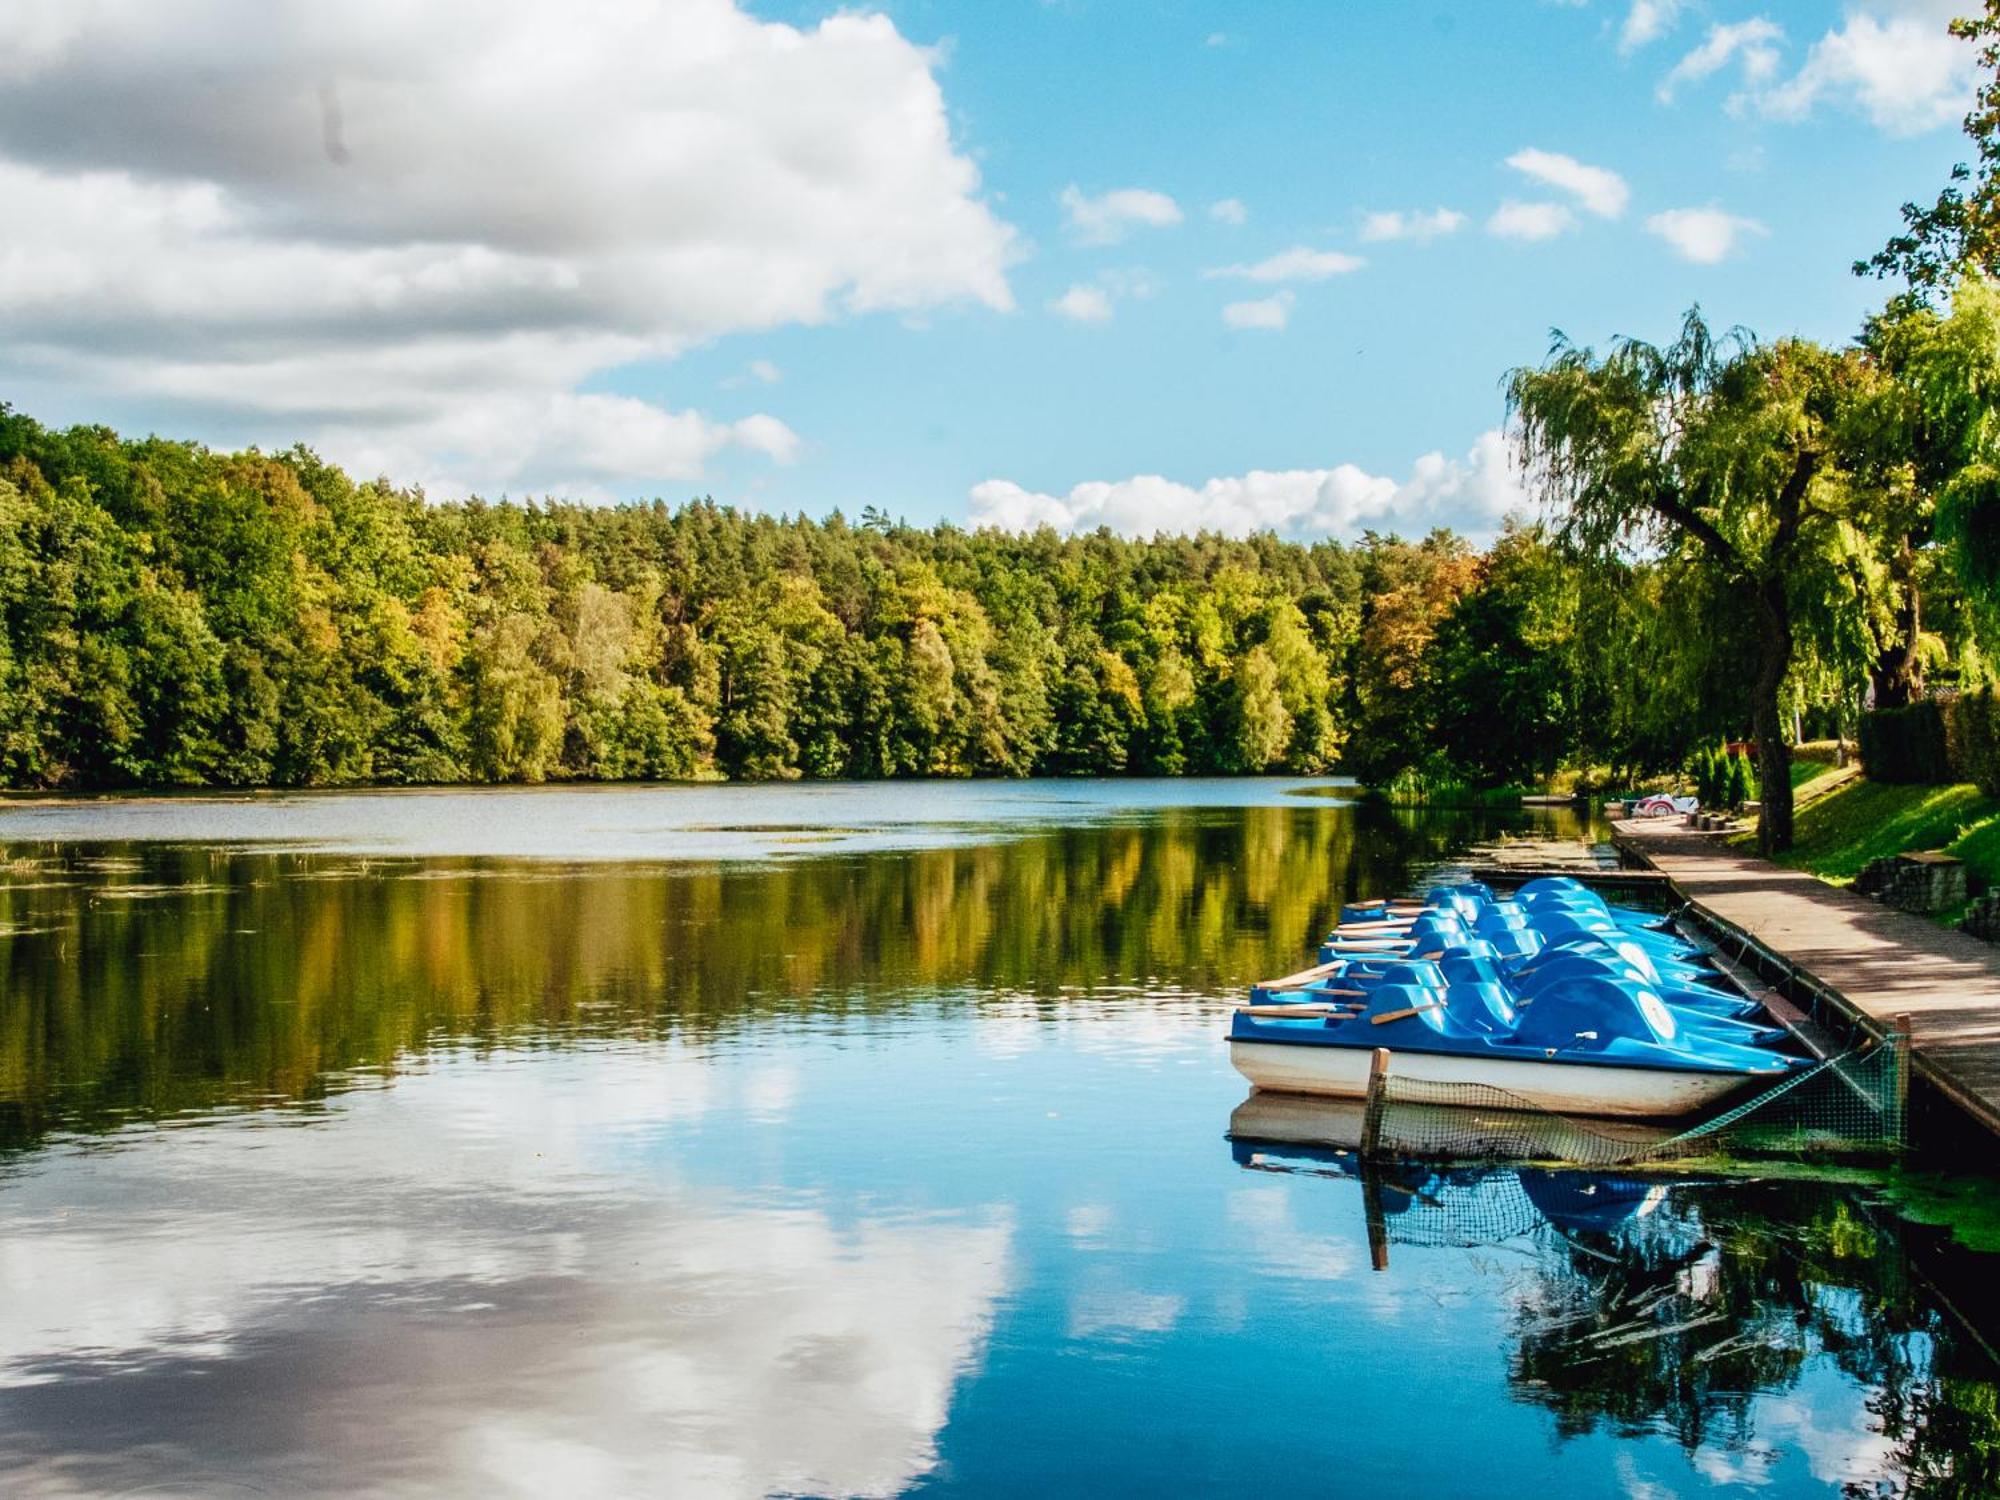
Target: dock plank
{"x": 1879, "y": 961}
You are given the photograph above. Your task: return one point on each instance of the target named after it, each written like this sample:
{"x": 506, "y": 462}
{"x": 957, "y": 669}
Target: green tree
{"x": 1505, "y": 668}
{"x": 1408, "y": 590}
{"x": 1928, "y": 454}
{"x": 1263, "y": 725}
{"x": 1728, "y": 452}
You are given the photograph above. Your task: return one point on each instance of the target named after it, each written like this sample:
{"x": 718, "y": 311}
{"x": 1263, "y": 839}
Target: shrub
{"x": 1741, "y": 784}
{"x": 1720, "y": 778}
{"x": 1701, "y": 771}
{"x": 1907, "y": 745}
{"x": 1972, "y": 737}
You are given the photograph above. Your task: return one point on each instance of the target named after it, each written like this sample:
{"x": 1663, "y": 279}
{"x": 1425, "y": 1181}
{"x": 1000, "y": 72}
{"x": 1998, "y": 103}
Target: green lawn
{"x": 1835, "y": 836}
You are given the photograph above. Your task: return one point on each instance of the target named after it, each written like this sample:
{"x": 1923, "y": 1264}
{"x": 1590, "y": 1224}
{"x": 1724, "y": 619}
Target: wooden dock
{"x": 1878, "y": 962}
{"x": 1511, "y": 861}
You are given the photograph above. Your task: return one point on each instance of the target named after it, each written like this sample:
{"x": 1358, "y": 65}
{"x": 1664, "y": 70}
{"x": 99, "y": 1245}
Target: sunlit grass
{"x": 1837, "y": 835}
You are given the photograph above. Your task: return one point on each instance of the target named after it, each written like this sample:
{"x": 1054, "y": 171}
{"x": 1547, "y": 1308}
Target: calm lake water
{"x": 426, "y": 1144}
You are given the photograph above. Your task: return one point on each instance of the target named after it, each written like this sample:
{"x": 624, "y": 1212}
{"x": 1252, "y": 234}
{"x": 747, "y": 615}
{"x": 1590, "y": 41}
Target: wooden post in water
{"x": 1378, "y": 1222}
{"x": 1371, "y": 1139}
{"x": 1371, "y": 1114}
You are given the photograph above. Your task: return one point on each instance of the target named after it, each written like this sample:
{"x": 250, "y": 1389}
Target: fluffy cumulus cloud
{"x": 1109, "y": 217}
{"x": 1269, "y": 314}
{"x": 1893, "y": 62}
{"x": 1702, "y": 235}
{"x": 1472, "y": 494}
{"x": 416, "y": 234}
{"x": 1083, "y": 303}
{"x": 1754, "y": 43}
{"x": 1229, "y": 211}
{"x": 1300, "y": 263}
{"x": 1396, "y": 225}
{"x": 1598, "y": 189}
{"x": 1514, "y": 220}
{"x": 1647, "y": 21}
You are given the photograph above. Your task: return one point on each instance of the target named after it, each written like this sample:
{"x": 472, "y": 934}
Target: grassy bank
{"x": 1841, "y": 832}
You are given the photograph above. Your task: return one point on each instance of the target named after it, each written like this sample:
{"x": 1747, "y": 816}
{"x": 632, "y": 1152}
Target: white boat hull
{"x": 1562, "y": 1088}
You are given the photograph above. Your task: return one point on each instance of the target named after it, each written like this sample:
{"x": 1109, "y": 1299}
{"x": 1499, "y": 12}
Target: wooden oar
{"x": 1313, "y": 990}
{"x": 1403, "y": 1015}
{"x": 1290, "y": 1012}
{"x": 1301, "y": 979}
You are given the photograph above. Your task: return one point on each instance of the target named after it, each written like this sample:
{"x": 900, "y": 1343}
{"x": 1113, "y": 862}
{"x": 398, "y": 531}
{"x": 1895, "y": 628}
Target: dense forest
{"x": 175, "y": 616}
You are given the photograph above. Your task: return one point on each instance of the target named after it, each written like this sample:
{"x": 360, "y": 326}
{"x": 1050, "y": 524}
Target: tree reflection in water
{"x": 1670, "y": 1305}
{"x": 1679, "y": 1317}
{"x": 145, "y": 981}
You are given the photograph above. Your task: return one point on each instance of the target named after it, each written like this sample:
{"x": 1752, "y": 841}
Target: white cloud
{"x": 1095, "y": 1312}
{"x": 1702, "y": 235}
{"x": 1598, "y": 189}
{"x": 1108, "y": 218}
{"x": 758, "y": 372}
{"x": 589, "y": 442}
{"x": 1530, "y": 221}
{"x": 1129, "y": 283}
{"x": 1471, "y": 494}
{"x": 1397, "y": 225}
{"x": 1647, "y": 21}
{"x": 1896, "y": 64}
{"x": 1083, "y": 304}
{"x": 1752, "y": 40}
{"x": 401, "y": 221}
{"x": 1095, "y": 301}
{"x": 1228, "y": 211}
{"x": 611, "y": 1328}
{"x": 1300, "y": 263}
{"x": 1269, "y": 313}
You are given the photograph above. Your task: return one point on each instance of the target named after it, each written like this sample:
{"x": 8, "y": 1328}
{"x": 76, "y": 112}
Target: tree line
{"x": 176, "y": 616}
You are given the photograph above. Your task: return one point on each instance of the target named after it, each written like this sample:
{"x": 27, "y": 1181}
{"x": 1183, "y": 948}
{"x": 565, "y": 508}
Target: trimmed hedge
{"x": 1935, "y": 743}
{"x": 1907, "y": 745}
{"x": 1973, "y": 739}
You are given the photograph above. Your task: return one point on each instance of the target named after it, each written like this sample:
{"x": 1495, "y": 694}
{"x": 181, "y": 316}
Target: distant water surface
{"x": 655, "y": 822}
{"x": 341, "y": 1156}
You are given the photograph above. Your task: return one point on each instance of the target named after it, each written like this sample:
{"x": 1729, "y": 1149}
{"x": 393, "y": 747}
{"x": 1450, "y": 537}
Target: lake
{"x": 847, "y": 1140}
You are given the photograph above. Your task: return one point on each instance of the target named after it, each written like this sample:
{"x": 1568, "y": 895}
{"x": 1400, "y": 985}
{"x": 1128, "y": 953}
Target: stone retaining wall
{"x": 1914, "y": 882}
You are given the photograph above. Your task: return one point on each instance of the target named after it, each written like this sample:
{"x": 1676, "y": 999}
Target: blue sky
{"x": 884, "y": 327}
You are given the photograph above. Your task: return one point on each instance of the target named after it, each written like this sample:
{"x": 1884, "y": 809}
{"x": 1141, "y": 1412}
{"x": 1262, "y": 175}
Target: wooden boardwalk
{"x": 1880, "y": 962}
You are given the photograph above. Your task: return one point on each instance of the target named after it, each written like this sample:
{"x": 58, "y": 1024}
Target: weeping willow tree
{"x": 1726, "y": 453}
{"x": 1931, "y": 443}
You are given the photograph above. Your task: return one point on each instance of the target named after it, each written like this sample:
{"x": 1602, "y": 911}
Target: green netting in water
{"x": 1850, "y": 1104}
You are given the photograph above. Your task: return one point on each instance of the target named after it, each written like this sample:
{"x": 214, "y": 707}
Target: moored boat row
{"x": 1553, "y": 996}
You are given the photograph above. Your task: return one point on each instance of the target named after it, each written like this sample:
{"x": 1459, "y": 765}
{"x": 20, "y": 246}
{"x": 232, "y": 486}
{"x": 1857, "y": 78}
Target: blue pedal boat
{"x": 1593, "y": 1010}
